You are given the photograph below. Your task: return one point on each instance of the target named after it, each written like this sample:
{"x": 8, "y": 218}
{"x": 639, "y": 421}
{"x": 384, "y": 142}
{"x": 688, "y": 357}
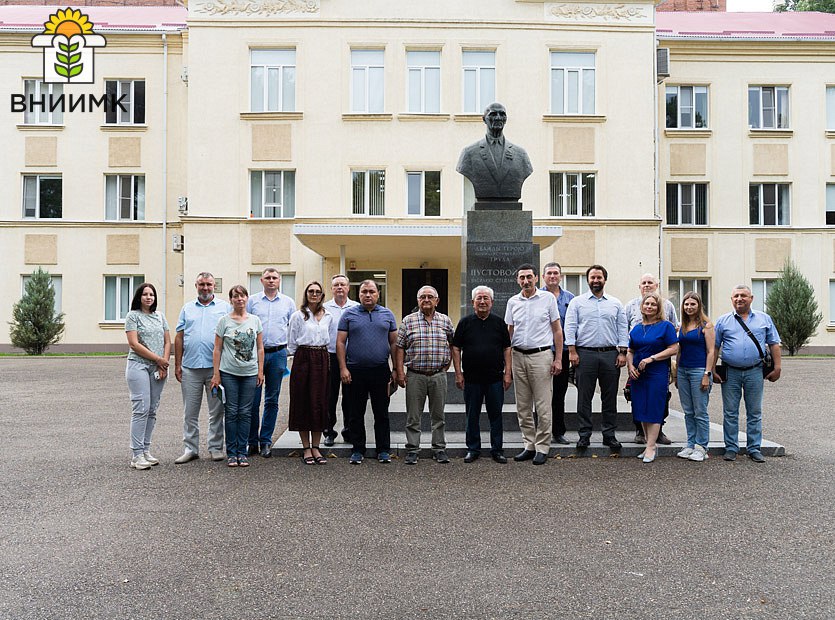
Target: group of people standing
{"x": 232, "y": 352}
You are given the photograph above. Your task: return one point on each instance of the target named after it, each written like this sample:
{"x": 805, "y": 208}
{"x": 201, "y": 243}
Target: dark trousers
{"x": 492, "y": 395}
{"x": 597, "y": 367}
{"x": 558, "y": 398}
{"x": 369, "y": 383}
{"x": 333, "y": 397}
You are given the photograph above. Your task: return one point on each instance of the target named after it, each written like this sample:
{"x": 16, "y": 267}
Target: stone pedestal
{"x": 495, "y": 242}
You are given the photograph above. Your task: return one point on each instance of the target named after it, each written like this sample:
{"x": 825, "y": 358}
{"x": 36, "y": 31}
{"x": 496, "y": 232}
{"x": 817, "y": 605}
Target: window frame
{"x": 283, "y": 69}
{"x": 777, "y": 115}
{"x": 38, "y": 178}
{"x": 53, "y": 278}
{"x": 287, "y": 286}
{"x": 693, "y": 204}
{"x": 581, "y": 71}
{"x": 685, "y": 285}
{"x": 288, "y": 194}
{"x": 366, "y": 189}
{"x": 832, "y": 302}
{"x": 568, "y": 280}
{"x": 829, "y": 204}
{"x": 137, "y": 210}
{"x": 54, "y": 118}
{"x": 581, "y": 182}
{"x": 778, "y": 206}
{"x": 830, "y": 107}
{"x": 760, "y": 288}
{"x": 366, "y": 108}
{"x": 694, "y": 92}
{"x": 421, "y": 70}
{"x": 421, "y": 175}
{"x": 136, "y": 110}
{"x": 120, "y": 312}
{"x": 477, "y": 69}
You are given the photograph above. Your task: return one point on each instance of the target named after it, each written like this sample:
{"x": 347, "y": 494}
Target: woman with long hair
{"x": 238, "y": 362}
{"x": 695, "y": 361}
{"x": 308, "y": 335}
{"x": 651, "y": 345}
{"x": 147, "y": 368}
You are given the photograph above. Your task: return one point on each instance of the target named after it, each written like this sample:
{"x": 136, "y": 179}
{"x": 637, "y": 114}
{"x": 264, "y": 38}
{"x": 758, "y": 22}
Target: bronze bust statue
{"x": 496, "y": 168}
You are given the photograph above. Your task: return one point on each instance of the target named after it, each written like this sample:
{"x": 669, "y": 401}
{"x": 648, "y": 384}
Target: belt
{"x": 531, "y": 351}
{"x": 313, "y": 348}
{"x": 426, "y": 373}
{"x": 598, "y": 348}
{"x": 274, "y": 349}
{"x": 744, "y": 367}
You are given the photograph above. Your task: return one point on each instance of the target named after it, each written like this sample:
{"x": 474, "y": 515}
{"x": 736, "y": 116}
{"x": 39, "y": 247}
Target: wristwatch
{"x": 621, "y": 350}
{"x": 708, "y": 373}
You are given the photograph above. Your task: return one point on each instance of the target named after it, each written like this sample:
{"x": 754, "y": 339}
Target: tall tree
{"x": 35, "y": 324}
{"x": 791, "y": 303}
{"x": 823, "y": 6}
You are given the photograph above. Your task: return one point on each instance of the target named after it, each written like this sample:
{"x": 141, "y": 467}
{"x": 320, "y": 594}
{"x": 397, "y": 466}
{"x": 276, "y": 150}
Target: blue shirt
{"x": 274, "y": 314}
{"x": 593, "y": 322}
{"x": 736, "y": 347}
{"x": 563, "y": 299}
{"x": 198, "y": 323}
{"x": 368, "y": 335}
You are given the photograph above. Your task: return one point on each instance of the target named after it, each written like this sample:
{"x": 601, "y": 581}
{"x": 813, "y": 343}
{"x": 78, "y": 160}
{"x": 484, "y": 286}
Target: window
{"x": 572, "y": 282}
{"x": 760, "y": 289}
{"x": 678, "y": 287}
{"x": 830, "y": 108}
{"x": 687, "y": 204}
{"x": 124, "y": 197}
{"x": 272, "y": 75}
{"x": 572, "y": 194}
{"x": 131, "y": 95}
{"x": 367, "y": 84}
{"x": 830, "y": 204}
{"x": 832, "y": 302}
{"x": 55, "y": 282}
{"x": 355, "y": 278}
{"x": 768, "y": 107}
{"x": 287, "y": 286}
{"x": 41, "y": 196}
{"x": 39, "y": 91}
{"x": 272, "y": 193}
{"x": 479, "y": 81}
{"x": 424, "y": 193}
{"x": 368, "y": 192}
{"x": 768, "y": 204}
{"x": 572, "y": 82}
{"x": 687, "y": 107}
{"x": 424, "y": 82}
{"x": 118, "y": 292}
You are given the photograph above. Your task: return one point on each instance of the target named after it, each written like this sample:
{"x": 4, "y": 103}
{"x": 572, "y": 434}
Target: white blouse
{"x": 311, "y": 333}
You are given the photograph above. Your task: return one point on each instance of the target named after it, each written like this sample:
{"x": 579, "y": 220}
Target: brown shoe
{"x": 663, "y": 439}
{"x": 639, "y": 438}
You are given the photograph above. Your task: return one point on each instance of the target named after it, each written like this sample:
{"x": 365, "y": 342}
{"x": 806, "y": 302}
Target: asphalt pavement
{"x": 84, "y": 536}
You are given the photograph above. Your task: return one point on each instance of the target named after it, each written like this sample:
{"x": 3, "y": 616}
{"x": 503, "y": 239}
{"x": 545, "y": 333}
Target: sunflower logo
{"x": 68, "y": 42}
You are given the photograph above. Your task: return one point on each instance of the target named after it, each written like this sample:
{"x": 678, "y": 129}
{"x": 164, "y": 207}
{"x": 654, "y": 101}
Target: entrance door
{"x": 413, "y": 279}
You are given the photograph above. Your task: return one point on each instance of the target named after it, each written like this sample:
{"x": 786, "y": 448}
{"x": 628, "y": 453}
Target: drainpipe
{"x": 164, "y": 281}
{"x": 655, "y": 148}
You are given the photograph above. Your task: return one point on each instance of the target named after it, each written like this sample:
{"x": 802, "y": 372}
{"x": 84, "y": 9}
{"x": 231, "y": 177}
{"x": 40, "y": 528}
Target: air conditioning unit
{"x": 662, "y": 62}
{"x": 182, "y": 205}
{"x": 179, "y": 243}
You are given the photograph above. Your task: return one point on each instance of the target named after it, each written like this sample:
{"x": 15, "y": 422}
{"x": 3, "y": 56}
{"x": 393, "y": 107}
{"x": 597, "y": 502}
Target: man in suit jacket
{"x": 495, "y": 167}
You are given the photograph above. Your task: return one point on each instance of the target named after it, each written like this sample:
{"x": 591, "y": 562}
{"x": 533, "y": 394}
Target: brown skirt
{"x": 309, "y": 390}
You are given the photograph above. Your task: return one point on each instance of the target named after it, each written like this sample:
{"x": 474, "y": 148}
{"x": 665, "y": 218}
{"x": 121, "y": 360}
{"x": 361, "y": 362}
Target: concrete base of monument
{"x": 456, "y": 448}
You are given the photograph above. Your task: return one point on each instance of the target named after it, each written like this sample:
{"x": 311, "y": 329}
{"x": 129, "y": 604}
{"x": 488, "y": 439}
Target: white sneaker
{"x": 685, "y": 454}
{"x": 151, "y": 458}
{"x": 699, "y": 454}
{"x": 185, "y": 457}
{"x": 139, "y": 462}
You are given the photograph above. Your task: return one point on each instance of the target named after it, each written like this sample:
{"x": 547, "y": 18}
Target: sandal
{"x": 308, "y": 460}
{"x": 243, "y": 461}
{"x": 320, "y": 460}
{"x": 232, "y": 461}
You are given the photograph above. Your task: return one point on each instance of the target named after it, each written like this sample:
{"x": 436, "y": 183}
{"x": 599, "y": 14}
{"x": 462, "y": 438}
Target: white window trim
{"x": 131, "y": 101}
{"x": 133, "y": 207}
{"x": 760, "y": 126}
{"x": 422, "y": 174}
{"x": 422, "y": 69}
{"x": 57, "y": 307}
{"x": 38, "y": 178}
{"x": 478, "y": 69}
{"x": 37, "y": 94}
{"x": 693, "y": 224}
{"x": 265, "y": 95}
{"x": 683, "y": 288}
{"x": 565, "y": 196}
{"x": 135, "y": 280}
{"x": 761, "y": 223}
{"x": 581, "y": 71}
{"x": 367, "y": 192}
{"x": 264, "y": 203}
{"x": 760, "y": 298}
{"x": 366, "y": 82}
{"x": 692, "y": 127}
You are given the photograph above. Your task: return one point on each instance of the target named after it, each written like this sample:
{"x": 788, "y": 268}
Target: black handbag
{"x": 767, "y": 359}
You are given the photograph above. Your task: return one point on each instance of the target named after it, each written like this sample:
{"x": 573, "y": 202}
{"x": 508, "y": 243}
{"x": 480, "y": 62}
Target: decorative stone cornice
{"x": 256, "y": 7}
{"x": 576, "y": 12}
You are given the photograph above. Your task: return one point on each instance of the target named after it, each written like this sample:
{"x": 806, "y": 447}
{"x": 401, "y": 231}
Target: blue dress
{"x": 649, "y": 391}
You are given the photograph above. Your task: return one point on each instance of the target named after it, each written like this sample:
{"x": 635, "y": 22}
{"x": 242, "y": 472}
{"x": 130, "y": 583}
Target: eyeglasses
{"x": 317, "y": 293}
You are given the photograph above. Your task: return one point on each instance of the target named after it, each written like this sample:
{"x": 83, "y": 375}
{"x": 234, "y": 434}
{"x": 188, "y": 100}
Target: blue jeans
{"x": 750, "y": 384}
{"x": 492, "y": 394}
{"x": 275, "y": 364}
{"x": 694, "y": 402}
{"x": 239, "y": 392}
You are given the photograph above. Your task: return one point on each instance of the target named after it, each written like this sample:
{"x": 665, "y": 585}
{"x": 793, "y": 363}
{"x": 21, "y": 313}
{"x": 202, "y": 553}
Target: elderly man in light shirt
{"x": 596, "y": 335}
{"x": 533, "y": 322}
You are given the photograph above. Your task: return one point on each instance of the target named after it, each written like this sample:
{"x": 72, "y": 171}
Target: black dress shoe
{"x": 560, "y": 439}
{"x": 500, "y": 458}
{"x": 583, "y": 443}
{"x": 614, "y": 444}
{"x": 471, "y": 456}
{"x": 328, "y": 441}
{"x": 266, "y": 450}
{"x": 540, "y": 458}
{"x": 524, "y": 455}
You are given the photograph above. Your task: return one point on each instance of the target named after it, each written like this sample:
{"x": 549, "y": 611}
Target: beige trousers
{"x": 533, "y": 385}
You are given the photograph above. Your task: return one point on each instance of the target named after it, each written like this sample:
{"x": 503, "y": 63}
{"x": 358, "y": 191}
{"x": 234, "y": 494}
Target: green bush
{"x": 35, "y": 324}
{"x": 792, "y": 305}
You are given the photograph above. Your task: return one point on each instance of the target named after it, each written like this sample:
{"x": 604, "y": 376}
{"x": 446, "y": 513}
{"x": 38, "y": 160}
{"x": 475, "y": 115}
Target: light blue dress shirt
{"x": 198, "y": 323}
{"x": 563, "y": 299}
{"x": 736, "y": 347}
{"x": 274, "y": 314}
{"x": 595, "y": 322}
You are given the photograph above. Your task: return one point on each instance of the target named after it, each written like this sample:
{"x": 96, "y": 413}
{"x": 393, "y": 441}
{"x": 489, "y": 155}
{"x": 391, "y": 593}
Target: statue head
{"x": 495, "y": 117}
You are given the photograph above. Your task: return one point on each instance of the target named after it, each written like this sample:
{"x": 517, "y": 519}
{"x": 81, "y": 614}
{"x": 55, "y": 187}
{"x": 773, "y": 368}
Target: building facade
{"x": 321, "y": 136}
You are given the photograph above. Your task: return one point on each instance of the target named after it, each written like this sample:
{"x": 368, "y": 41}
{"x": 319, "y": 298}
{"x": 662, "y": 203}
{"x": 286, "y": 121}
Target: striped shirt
{"x": 426, "y": 343}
